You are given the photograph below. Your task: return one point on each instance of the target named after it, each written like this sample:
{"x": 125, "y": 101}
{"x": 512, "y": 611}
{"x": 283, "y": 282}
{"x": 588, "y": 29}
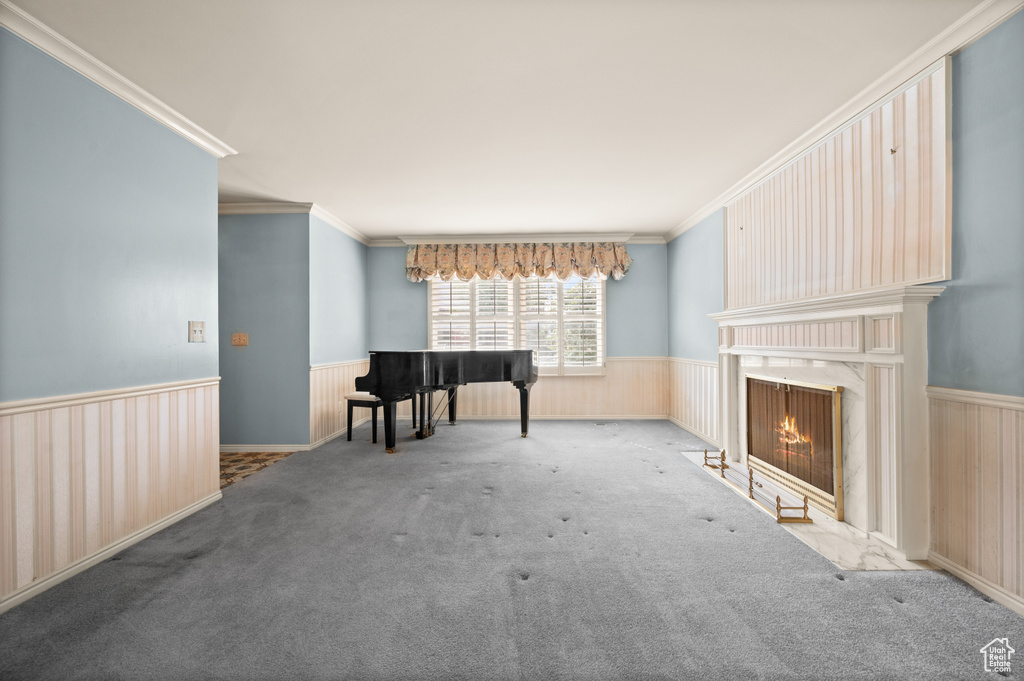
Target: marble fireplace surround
{"x": 874, "y": 344}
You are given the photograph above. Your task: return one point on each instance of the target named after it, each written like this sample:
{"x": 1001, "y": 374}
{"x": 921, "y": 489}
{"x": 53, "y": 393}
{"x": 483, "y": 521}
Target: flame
{"x": 790, "y": 435}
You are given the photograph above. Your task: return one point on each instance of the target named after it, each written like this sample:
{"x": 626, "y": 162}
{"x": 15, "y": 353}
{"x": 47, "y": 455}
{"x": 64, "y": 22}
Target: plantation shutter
{"x": 562, "y": 322}
{"x": 582, "y": 325}
{"x": 450, "y": 312}
{"x": 538, "y": 315}
{"x": 495, "y": 320}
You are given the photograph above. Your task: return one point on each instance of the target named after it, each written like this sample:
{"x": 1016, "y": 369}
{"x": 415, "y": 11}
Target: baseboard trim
{"x": 997, "y": 593}
{"x": 335, "y": 436}
{"x": 274, "y": 449}
{"x": 702, "y": 436}
{"x": 241, "y": 449}
{"x": 557, "y": 417}
{"x": 36, "y": 588}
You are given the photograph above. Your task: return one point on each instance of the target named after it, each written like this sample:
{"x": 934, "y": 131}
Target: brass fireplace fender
{"x": 755, "y": 491}
{"x": 831, "y": 504}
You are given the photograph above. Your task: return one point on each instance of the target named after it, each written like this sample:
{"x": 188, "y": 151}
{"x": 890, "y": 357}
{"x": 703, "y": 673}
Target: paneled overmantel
{"x": 875, "y": 345}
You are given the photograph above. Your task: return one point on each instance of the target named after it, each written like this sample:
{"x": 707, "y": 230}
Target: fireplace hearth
{"x": 794, "y": 438}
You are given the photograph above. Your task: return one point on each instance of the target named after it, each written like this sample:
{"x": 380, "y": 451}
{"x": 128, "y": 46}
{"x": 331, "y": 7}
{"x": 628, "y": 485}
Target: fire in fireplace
{"x": 793, "y": 438}
{"x": 791, "y": 441}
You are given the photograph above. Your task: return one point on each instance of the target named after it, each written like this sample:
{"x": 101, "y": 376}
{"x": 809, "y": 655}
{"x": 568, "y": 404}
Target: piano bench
{"x": 366, "y": 400}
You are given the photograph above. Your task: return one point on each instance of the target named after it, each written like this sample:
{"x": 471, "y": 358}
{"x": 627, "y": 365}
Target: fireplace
{"x": 874, "y": 343}
{"x": 794, "y": 438}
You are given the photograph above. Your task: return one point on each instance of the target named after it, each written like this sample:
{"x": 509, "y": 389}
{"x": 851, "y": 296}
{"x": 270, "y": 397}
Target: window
{"x": 562, "y": 322}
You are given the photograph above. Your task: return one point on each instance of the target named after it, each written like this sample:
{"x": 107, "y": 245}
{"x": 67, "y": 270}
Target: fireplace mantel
{"x": 875, "y": 344}
{"x": 817, "y": 307}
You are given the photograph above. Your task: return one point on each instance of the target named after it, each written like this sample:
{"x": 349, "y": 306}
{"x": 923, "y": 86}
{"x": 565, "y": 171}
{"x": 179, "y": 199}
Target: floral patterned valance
{"x": 507, "y": 260}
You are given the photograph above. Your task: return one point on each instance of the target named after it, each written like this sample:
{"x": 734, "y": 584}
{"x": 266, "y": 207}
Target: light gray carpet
{"x": 582, "y": 552}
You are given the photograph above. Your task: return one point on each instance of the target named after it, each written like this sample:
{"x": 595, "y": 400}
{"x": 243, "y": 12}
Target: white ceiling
{"x": 449, "y": 117}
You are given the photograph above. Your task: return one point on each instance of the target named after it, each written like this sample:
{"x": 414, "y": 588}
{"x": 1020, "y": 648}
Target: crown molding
{"x": 264, "y": 208}
{"x": 30, "y": 29}
{"x": 483, "y": 239}
{"x": 511, "y": 238}
{"x": 339, "y": 224}
{"x": 969, "y": 28}
{"x": 292, "y": 208}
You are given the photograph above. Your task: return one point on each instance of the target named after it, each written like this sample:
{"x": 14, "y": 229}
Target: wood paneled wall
{"x": 81, "y": 475}
{"x": 328, "y": 385}
{"x": 842, "y": 334}
{"x": 694, "y": 397}
{"x": 867, "y": 208}
{"x": 632, "y": 388}
{"x": 977, "y": 490}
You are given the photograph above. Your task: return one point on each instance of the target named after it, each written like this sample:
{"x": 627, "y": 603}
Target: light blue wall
{"x": 976, "y": 327}
{"x": 638, "y": 305}
{"x": 338, "y": 308}
{"x": 264, "y": 291}
{"x": 696, "y": 288}
{"x": 108, "y": 237}
{"x": 398, "y": 307}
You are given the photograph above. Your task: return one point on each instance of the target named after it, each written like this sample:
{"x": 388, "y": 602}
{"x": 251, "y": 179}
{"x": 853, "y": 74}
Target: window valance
{"x": 507, "y": 260}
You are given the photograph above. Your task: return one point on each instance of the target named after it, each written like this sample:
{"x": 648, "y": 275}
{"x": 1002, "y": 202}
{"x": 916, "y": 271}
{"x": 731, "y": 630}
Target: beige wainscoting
{"x": 328, "y": 412}
{"x": 694, "y": 397}
{"x": 841, "y": 335}
{"x": 84, "y": 476}
{"x": 328, "y": 385}
{"x": 977, "y": 490}
{"x": 684, "y": 391}
{"x": 866, "y": 208}
{"x": 630, "y": 388}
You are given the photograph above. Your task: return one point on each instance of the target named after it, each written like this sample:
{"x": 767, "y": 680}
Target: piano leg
{"x": 374, "y": 410}
{"x": 426, "y": 406}
{"x": 389, "y": 426}
{"x": 453, "y": 394}
{"x": 430, "y": 412}
{"x": 524, "y": 409}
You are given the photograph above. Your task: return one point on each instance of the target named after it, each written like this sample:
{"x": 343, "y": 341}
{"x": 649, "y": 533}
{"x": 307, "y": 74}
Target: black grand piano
{"x": 401, "y": 375}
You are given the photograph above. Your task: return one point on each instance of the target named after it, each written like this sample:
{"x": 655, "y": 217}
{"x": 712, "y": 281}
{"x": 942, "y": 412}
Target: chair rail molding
{"x": 84, "y": 476}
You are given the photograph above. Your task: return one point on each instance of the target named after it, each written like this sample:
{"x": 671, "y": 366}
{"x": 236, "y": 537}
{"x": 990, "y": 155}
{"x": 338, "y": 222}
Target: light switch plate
{"x": 197, "y": 332}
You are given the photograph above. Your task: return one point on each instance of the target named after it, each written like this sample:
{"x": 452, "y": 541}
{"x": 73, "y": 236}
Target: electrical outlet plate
{"x": 197, "y": 332}
{"x": 239, "y": 339}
